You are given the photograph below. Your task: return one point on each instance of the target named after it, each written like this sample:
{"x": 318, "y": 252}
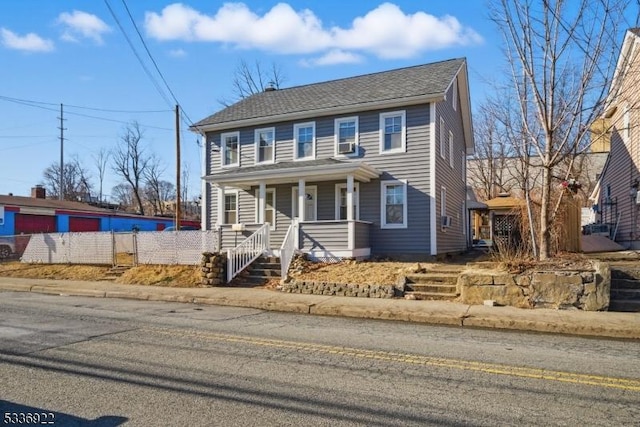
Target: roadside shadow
{"x": 17, "y": 414}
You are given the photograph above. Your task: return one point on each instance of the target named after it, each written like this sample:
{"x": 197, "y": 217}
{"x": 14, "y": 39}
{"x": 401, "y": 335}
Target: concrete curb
{"x": 572, "y": 322}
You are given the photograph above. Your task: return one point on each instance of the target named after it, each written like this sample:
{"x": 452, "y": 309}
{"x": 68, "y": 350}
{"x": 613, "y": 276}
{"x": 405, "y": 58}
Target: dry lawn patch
{"x": 358, "y": 272}
{"x": 177, "y": 276}
{"x": 52, "y": 271}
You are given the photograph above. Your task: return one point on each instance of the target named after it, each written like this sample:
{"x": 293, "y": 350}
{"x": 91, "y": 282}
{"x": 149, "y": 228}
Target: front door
{"x": 311, "y": 203}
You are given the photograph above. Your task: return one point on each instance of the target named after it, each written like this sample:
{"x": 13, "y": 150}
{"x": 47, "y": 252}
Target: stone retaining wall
{"x": 587, "y": 290}
{"x": 213, "y": 269}
{"x": 339, "y": 289}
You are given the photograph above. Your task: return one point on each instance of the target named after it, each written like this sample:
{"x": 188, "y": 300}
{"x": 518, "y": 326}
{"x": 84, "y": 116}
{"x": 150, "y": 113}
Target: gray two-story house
{"x": 372, "y": 165}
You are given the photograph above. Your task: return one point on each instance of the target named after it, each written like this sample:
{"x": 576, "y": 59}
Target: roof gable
{"x": 624, "y": 60}
{"x": 364, "y": 92}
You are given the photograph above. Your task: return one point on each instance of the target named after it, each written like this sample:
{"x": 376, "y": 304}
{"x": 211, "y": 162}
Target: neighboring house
{"x": 371, "y": 165}
{"x": 617, "y": 197}
{"x": 37, "y": 214}
{"x": 506, "y": 175}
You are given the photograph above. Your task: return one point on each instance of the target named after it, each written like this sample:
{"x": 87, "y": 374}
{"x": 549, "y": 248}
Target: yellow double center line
{"x": 490, "y": 368}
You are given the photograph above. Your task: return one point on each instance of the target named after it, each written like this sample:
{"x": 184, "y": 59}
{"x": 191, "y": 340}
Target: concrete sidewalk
{"x": 573, "y": 322}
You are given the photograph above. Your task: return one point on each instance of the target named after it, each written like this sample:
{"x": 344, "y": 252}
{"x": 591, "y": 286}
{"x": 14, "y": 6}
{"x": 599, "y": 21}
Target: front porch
{"x": 313, "y": 206}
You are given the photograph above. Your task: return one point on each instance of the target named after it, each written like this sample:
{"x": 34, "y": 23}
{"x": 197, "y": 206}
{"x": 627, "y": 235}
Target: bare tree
{"x": 130, "y": 162}
{"x": 561, "y": 55}
{"x": 76, "y": 185}
{"x": 122, "y": 194}
{"x": 156, "y": 190}
{"x": 101, "y": 160}
{"x": 251, "y": 79}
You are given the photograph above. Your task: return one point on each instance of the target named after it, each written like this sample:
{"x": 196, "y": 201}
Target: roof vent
{"x": 504, "y": 194}
{"x": 271, "y": 86}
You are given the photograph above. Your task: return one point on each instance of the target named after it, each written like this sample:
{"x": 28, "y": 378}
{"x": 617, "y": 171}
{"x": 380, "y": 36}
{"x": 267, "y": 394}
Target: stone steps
{"x": 261, "y": 270}
{"x": 625, "y": 289}
{"x": 432, "y": 285}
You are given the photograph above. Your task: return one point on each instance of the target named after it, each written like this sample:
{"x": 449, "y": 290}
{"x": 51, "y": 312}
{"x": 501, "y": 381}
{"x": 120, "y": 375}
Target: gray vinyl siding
{"x": 323, "y": 236}
{"x": 362, "y": 235}
{"x": 619, "y": 176}
{"x": 230, "y": 239}
{"x": 451, "y": 239}
{"x": 412, "y": 166}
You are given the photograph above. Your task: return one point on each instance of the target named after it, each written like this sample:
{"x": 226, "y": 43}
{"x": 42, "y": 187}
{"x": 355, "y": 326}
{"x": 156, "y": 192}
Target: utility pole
{"x": 177, "y": 167}
{"x": 62, "y": 129}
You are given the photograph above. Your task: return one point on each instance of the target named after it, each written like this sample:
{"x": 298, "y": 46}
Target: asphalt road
{"x": 111, "y": 362}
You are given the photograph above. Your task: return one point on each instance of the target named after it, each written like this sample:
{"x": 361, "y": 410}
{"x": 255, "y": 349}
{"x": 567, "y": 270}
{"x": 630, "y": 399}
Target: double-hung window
{"x": 230, "y": 143}
{"x": 346, "y": 131}
{"x": 341, "y": 201}
{"x": 443, "y": 143}
{"x": 451, "y": 149}
{"x": 265, "y": 145}
{"x": 304, "y": 138}
{"x": 269, "y": 206}
{"x": 393, "y": 132}
{"x": 393, "y": 206}
{"x": 231, "y": 208}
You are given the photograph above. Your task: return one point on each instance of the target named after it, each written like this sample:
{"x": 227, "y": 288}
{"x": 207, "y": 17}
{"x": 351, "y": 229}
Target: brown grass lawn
{"x": 159, "y": 275}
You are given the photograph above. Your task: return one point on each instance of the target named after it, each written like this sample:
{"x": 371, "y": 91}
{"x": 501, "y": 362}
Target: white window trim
{"x": 451, "y": 149}
{"x": 224, "y": 208}
{"x": 383, "y": 204}
{"x": 294, "y": 199}
{"x": 295, "y": 141}
{"x": 403, "y": 132}
{"x": 442, "y": 139}
{"x": 223, "y": 149}
{"x": 256, "y": 137}
{"x": 275, "y": 211}
{"x": 454, "y": 100}
{"x": 337, "y": 136}
{"x": 356, "y": 200}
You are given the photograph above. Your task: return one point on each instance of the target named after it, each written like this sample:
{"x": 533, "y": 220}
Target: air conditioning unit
{"x": 446, "y": 221}
{"x": 346, "y": 147}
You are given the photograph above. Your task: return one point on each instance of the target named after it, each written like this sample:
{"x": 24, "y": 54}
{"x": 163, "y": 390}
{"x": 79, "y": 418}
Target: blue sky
{"x": 74, "y": 52}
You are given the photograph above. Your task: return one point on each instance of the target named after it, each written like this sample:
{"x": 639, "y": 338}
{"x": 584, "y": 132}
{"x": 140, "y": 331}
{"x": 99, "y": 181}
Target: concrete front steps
{"x": 432, "y": 285}
{"x": 260, "y": 271}
{"x": 625, "y": 289}
{"x": 114, "y": 272}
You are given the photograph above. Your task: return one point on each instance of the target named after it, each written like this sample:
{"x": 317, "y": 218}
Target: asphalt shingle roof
{"x": 421, "y": 80}
{"x": 318, "y": 163}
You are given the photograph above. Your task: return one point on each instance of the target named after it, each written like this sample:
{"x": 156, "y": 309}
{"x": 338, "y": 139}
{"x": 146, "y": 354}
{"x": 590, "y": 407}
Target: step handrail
{"x": 247, "y": 251}
{"x": 288, "y": 248}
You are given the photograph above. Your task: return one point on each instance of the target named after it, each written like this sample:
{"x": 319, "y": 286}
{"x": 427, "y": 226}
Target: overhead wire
{"x": 155, "y": 64}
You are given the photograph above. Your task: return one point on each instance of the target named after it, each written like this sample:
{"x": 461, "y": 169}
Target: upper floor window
{"x": 265, "y": 145}
{"x": 394, "y": 204}
{"x": 230, "y": 143}
{"x": 346, "y": 131}
{"x": 442, "y": 139}
{"x": 451, "y": 149}
{"x": 304, "y": 138}
{"x": 393, "y": 132}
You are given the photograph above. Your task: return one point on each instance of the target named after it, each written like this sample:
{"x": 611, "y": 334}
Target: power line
{"x": 82, "y": 107}
{"x": 155, "y": 64}
{"x": 135, "y": 52}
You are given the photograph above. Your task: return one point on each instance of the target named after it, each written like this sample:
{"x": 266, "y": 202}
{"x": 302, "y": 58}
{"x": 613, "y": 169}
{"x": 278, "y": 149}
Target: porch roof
{"x": 290, "y": 172}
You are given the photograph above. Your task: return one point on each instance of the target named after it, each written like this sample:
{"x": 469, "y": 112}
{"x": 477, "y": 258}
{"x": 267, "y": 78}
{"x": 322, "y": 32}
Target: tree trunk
{"x": 545, "y": 226}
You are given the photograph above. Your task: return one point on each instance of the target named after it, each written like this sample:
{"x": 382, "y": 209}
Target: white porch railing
{"x": 288, "y": 247}
{"x": 247, "y": 251}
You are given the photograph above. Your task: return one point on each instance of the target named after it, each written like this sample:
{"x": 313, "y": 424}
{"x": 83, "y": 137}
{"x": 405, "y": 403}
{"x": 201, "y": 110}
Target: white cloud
{"x": 83, "y": 25}
{"x": 385, "y": 31}
{"x": 177, "y": 53}
{"x": 30, "y": 42}
{"x": 334, "y": 57}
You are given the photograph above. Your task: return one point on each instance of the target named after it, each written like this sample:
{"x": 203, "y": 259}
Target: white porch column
{"x": 220, "y": 219}
{"x": 302, "y": 198}
{"x": 262, "y": 202}
{"x": 351, "y": 226}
